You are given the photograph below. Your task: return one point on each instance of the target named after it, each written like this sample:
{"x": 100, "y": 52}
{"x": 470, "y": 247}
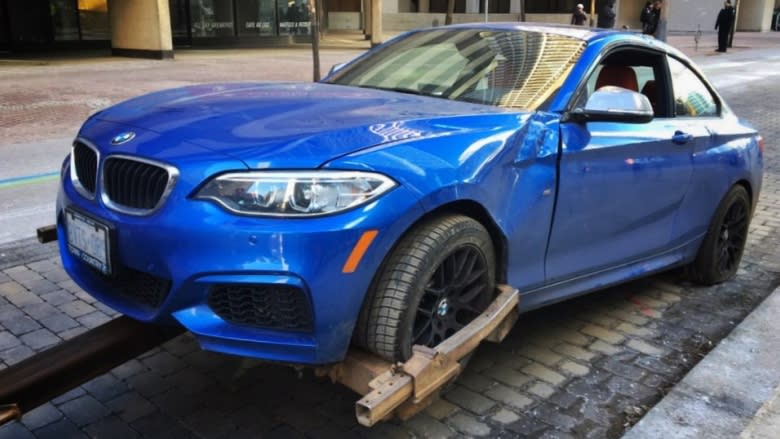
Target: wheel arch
{"x": 466, "y": 207}
{"x": 478, "y": 212}
{"x": 473, "y": 210}
{"x": 459, "y": 207}
{"x": 748, "y": 187}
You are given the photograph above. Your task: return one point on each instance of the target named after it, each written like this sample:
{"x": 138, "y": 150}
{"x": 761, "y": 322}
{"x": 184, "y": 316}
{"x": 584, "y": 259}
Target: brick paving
{"x": 60, "y": 91}
{"x": 589, "y": 367}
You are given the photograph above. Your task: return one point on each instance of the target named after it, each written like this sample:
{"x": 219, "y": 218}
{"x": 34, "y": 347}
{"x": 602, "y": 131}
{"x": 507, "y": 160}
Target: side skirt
{"x": 605, "y": 278}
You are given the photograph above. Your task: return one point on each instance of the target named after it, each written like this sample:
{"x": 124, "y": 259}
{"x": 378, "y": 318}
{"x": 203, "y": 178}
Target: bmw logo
{"x": 123, "y": 138}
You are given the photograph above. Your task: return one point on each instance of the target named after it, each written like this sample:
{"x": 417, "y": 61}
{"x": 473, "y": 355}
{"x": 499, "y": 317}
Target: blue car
{"x": 381, "y": 206}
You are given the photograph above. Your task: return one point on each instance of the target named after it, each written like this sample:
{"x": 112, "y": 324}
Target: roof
{"x": 578, "y": 32}
{"x": 586, "y": 34}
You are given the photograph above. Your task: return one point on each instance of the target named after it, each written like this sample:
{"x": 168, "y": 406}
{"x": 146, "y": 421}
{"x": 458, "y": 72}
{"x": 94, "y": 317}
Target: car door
{"x": 716, "y": 158}
{"x": 620, "y": 184}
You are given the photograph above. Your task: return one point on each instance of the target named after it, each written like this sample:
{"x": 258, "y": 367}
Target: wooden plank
{"x": 407, "y": 388}
{"x": 358, "y": 369}
{"x": 468, "y": 338}
{"x": 429, "y": 370}
{"x": 392, "y": 389}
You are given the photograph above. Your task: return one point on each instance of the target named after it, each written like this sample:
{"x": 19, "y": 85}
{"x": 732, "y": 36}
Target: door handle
{"x": 681, "y": 138}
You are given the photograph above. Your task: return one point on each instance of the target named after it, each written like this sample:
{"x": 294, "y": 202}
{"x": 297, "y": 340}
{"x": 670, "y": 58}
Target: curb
{"x": 722, "y": 394}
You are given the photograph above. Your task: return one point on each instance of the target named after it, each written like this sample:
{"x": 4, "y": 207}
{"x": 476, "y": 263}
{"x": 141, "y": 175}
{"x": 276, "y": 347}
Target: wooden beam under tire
{"x": 412, "y": 385}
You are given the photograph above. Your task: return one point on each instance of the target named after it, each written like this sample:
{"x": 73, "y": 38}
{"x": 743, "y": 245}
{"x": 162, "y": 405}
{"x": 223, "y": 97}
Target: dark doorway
{"x": 29, "y": 23}
{"x": 5, "y": 33}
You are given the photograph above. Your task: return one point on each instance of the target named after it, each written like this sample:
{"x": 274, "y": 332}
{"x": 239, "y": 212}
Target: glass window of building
{"x": 293, "y": 17}
{"x": 180, "y": 26}
{"x": 211, "y": 18}
{"x": 93, "y": 17}
{"x": 440, "y": 6}
{"x": 256, "y": 17}
{"x": 64, "y": 20}
{"x": 559, "y": 6}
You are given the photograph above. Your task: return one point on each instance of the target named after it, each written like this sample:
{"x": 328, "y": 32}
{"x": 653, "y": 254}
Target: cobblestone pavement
{"x": 584, "y": 368}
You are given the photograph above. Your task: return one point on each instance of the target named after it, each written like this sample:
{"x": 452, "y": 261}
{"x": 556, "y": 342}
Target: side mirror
{"x": 336, "y": 68}
{"x": 614, "y": 104}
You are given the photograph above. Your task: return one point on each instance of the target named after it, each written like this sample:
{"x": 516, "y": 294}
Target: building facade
{"x": 154, "y": 27}
{"x": 683, "y": 15}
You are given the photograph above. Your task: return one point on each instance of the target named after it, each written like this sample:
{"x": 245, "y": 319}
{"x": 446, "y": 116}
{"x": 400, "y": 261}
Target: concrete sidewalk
{"x": 733, "y": 392}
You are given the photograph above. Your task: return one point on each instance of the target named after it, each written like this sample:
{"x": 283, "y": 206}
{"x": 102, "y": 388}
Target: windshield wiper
{"x": 410, "y": 91}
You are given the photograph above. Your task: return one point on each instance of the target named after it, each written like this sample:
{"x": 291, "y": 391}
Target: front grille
{"x": 142, "y": 289}
{"x": 134, "y": 184}
{"x": 282, "y": 307}
{"x": 85, "y": 160}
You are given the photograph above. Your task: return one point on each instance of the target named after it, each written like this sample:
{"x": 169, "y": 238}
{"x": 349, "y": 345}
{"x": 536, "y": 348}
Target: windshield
{"x": 515, "y": 69}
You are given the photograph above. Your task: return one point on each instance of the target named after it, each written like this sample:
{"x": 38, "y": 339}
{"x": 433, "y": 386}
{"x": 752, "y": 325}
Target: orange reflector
{"x": 359, "y": 250}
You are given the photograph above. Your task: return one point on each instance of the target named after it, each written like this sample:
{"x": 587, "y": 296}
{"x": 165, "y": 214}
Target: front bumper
{"x": 189, "y": 246}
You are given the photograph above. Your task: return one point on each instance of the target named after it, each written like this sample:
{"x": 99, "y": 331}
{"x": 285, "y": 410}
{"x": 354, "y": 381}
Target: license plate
{"x": 89, "y": 240}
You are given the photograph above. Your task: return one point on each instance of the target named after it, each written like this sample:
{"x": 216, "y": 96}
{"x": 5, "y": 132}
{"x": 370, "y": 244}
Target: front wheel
{"x": 439, "y": 278}
{"x": 723, "y": 245}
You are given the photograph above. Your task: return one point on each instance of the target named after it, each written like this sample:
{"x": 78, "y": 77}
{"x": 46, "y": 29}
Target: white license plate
{"x": 88, "y": 240}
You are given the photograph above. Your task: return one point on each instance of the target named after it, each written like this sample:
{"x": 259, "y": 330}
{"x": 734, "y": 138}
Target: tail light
{"x": 761, "y": 144}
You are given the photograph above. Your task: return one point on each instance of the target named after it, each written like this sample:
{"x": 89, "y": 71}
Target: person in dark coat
{"x": 607, "y": 16}
{"x": 578, "y": 17}
{"x": 723, "y": 25}
{"x": 650, "y": 26}
{"x": 647, "y": 11}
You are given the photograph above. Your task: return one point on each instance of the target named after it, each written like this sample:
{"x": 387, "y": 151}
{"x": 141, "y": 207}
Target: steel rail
{"x": 52, "y": 372}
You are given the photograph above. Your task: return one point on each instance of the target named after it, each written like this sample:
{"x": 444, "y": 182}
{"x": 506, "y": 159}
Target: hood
{"x": 294, "y": 125}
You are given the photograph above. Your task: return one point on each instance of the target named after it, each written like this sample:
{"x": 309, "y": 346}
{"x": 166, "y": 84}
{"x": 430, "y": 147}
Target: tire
{"x": 439, "y": 277}
{"x": 721, "y": 251}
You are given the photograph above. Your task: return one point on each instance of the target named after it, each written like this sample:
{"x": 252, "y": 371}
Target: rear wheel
{"x": 438, "y": 279}
{"x": 721, "y": 251}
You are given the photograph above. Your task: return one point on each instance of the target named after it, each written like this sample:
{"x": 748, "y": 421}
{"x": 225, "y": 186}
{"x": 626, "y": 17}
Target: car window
{"x": 516, "y": 69}
{"x": 691, "y": 97}
{"x": 633, "y": 69}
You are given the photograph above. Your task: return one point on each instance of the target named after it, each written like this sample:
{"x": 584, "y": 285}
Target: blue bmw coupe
{"x": 380, "y": 206}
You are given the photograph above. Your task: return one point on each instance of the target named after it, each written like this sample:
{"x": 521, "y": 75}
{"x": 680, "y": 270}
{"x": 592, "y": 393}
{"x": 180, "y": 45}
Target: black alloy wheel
{"x": 721, "y": 250}
{"x": 454, "y": 296}
{"x": 437, "y": 279}
{"x": 731, "y": 239}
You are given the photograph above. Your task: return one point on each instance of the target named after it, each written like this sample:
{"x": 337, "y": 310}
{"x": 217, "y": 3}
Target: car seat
{"x": 649, "y": 90}
{"x": 620, "y": 76}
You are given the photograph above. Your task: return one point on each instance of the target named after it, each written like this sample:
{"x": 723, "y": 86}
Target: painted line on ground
{"x": 28, "y": 179}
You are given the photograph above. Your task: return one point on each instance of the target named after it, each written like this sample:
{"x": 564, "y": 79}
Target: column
{"x": 376, "y": 22}
{"x": 367, "y": 24}
{"x": 472, "y": 6}
{"x": 141, "y": 29}
{"x": 424, "y": 6}
{"x": 514, "y": 6}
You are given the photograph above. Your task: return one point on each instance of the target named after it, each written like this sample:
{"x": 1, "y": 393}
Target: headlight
{"x": 294, "y": 193}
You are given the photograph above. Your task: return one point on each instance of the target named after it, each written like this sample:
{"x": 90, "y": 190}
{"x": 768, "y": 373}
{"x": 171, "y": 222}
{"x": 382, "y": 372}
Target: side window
{"x": 637, "y": 70}
{"x": 691, "y": 97}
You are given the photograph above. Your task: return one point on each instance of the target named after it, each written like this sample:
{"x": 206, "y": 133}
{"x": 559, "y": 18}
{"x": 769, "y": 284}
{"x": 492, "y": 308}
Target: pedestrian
{"x": 650, "y": 26}
{"x": 647, "y": 11}
{"x": 578, "y": 17}
{"x": 723, "y": 25}
{"x": 607, "y": 15}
